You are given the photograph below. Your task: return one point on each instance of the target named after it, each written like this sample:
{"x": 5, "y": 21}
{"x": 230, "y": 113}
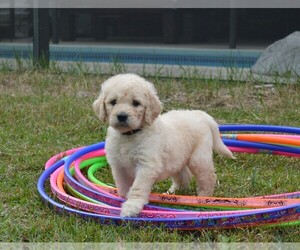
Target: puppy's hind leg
{"x": 202, "y": 166}
{"x": 181, "y": 180}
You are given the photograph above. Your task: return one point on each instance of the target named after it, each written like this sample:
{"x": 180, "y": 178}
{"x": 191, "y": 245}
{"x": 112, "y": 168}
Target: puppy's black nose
{"x": 122, "y": 117}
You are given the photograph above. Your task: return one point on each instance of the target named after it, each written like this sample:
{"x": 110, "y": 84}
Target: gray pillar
{"x": 170, "y": 29}
{"x": 12, "y": 23}
{"x": 232, "y": 28}
{"x": 187, "y": 27}
{"x": 55, "y": 25}
{"x": 41, "y": 37}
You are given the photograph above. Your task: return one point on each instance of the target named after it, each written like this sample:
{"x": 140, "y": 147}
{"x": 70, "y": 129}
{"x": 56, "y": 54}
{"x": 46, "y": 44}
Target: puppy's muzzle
{"x": 122, "y": 117}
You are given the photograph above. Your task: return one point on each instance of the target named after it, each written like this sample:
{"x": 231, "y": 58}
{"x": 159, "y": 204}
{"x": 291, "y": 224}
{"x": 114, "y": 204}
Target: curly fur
{"x": 177, "y": 144}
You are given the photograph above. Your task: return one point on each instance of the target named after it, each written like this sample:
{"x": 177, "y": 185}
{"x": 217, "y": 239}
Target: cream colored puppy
{"x": 143, "y": 147}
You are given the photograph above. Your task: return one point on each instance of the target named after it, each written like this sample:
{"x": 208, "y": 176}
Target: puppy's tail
{"x": 218, "y": 144}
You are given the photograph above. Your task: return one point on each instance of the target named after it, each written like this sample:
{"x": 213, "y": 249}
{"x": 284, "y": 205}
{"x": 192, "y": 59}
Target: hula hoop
{"x": 89, "y": 197}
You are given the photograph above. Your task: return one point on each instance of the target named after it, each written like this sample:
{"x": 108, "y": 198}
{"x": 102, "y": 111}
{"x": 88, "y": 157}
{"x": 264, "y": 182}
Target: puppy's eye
{"x": 136, "y": 103}
{"x": 113, "y": 102}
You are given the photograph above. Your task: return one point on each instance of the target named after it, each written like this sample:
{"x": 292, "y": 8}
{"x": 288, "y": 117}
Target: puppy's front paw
{"x": 131, "y": 208}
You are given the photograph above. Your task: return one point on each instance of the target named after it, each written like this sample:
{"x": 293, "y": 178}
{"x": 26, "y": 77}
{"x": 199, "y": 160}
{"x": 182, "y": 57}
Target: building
{"x": 229, "y": 27}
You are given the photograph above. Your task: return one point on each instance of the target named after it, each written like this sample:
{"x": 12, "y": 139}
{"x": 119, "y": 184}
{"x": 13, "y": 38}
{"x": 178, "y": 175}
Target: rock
{"x": 280, "y": 58}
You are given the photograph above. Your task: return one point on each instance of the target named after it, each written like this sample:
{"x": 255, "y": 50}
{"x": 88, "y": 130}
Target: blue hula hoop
{"x": 247, "y": 218}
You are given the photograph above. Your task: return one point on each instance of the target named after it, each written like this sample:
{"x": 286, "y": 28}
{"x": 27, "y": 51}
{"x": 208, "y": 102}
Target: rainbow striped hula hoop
{"x": 79, "y": 192}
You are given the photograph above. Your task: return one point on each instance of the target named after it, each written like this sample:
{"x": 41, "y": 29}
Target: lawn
{"x": 44, "y": 112}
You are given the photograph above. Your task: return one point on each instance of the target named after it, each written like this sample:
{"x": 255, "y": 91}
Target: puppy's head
{"x": 127, "y": 102}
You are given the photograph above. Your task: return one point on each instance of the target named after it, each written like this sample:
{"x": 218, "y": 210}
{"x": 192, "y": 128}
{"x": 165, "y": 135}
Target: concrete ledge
{"x": 221, "y": 73}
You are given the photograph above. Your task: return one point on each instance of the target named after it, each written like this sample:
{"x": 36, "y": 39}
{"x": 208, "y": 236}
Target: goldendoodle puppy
{"x": 143, "y": 147}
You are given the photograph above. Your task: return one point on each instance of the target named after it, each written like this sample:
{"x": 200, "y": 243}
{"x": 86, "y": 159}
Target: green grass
{"x": 46, "y": 112}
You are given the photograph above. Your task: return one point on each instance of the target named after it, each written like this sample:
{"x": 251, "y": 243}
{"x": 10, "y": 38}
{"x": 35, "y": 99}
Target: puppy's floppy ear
{"x": 99, "y": 107}
{"x": 153, "y": 108}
